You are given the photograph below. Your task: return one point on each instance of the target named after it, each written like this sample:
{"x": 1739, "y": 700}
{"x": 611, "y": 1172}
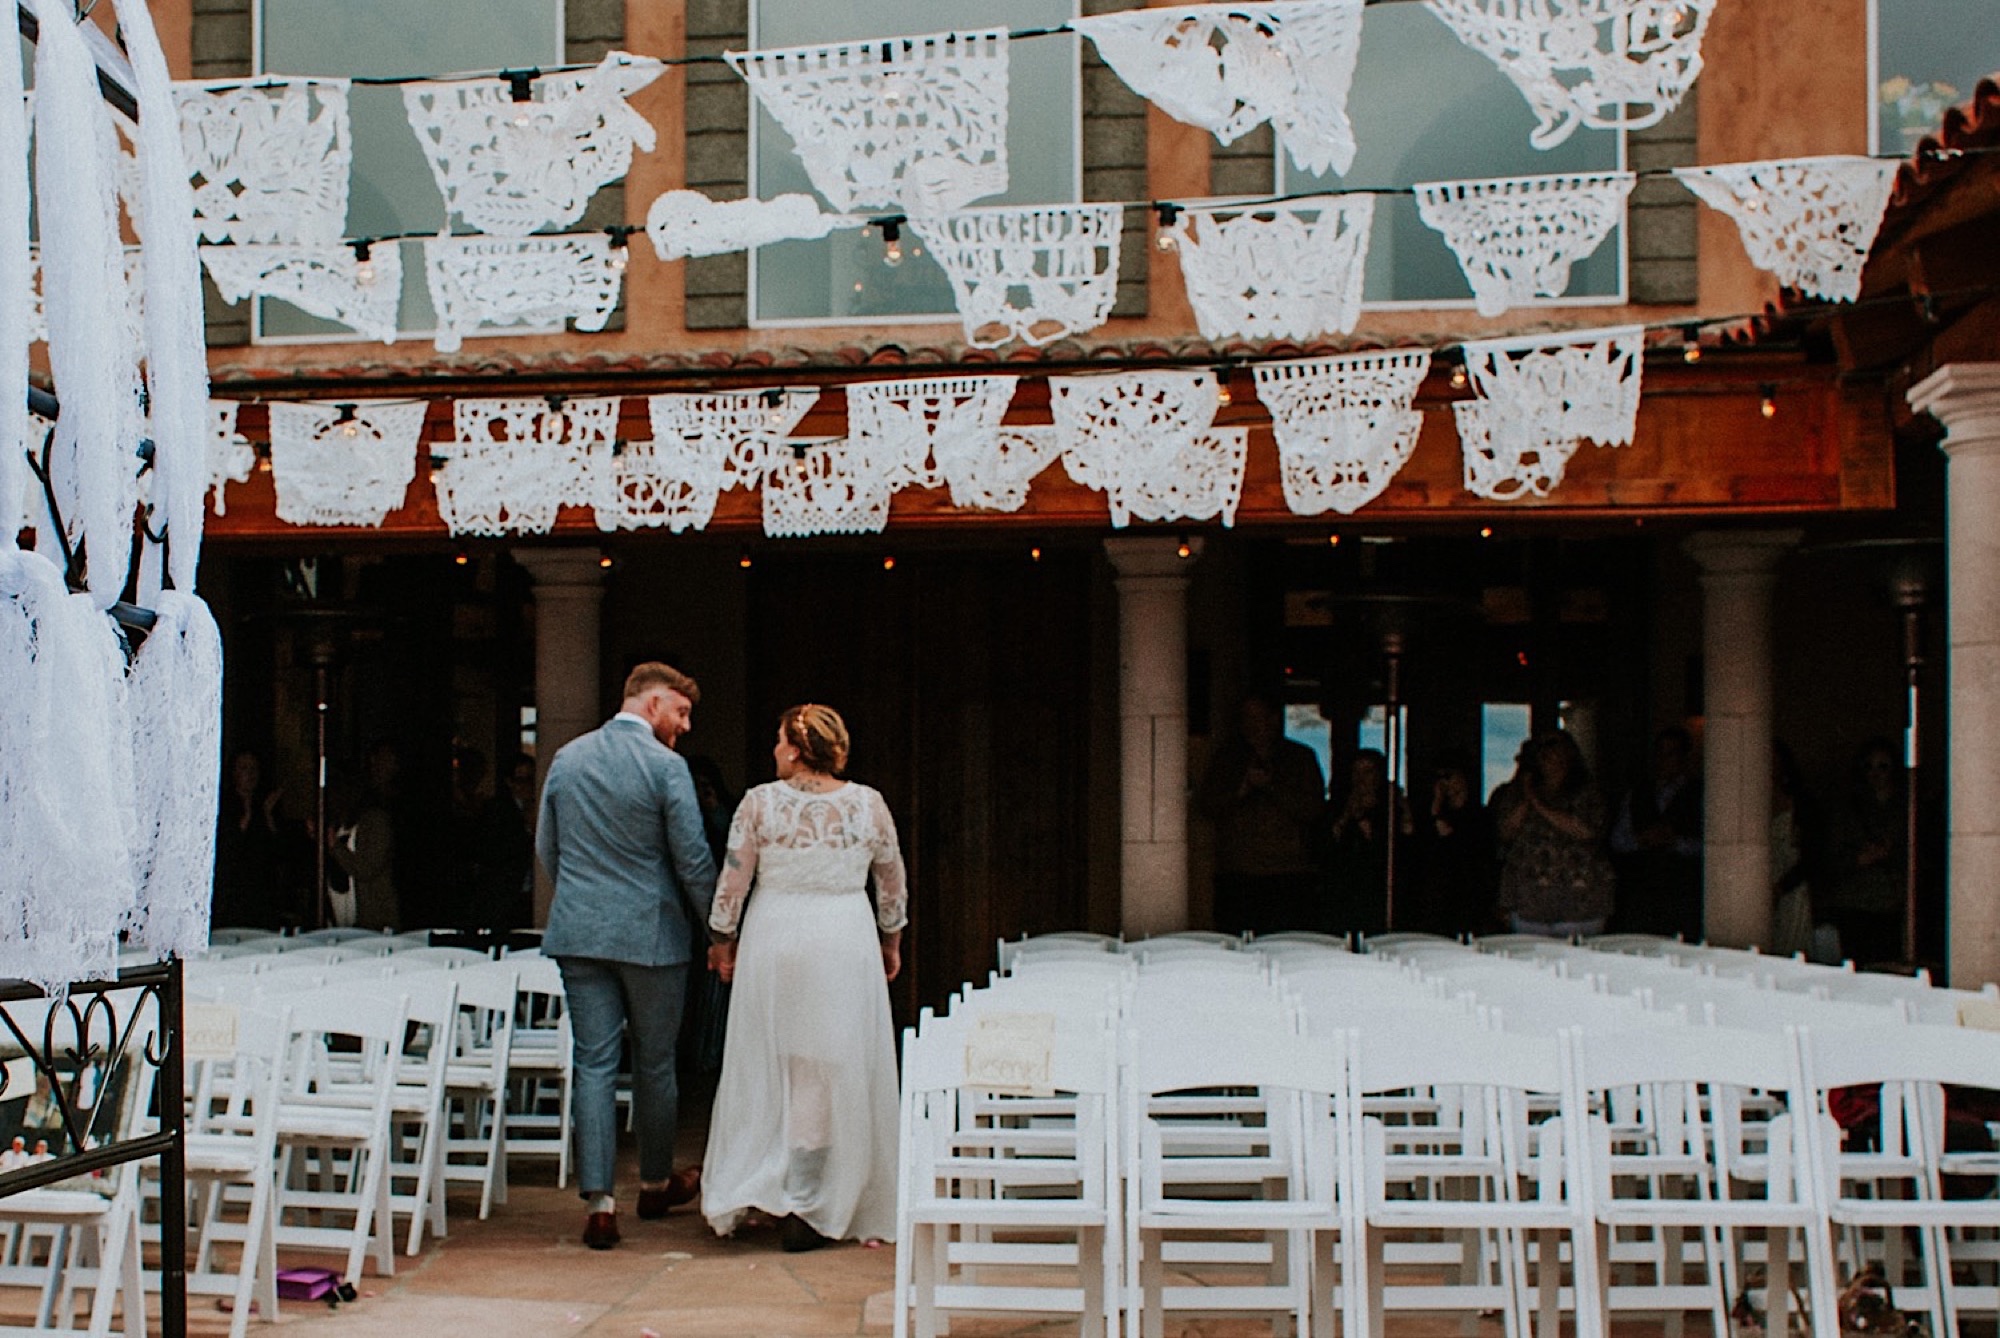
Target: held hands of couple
{"x": 722, "y": 958}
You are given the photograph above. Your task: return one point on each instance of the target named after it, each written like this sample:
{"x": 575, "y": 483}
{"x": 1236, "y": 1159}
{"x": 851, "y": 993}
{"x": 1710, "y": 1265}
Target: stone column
{"x": 1152, "y": 725}
{"x": 1965, "y": 397}
{"x": 1737, "y": 572}
{"x": 569, "y": 588}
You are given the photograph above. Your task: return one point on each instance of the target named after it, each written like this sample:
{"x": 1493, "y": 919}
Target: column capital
{"x": 557, "y": 567}
{"x": 1736, "y": 553}
{"x": 1965, "y": 397}
{"x": 1144, "y": 556}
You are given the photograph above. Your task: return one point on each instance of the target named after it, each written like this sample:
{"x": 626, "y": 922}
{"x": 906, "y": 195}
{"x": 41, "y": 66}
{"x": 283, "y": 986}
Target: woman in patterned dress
{"x": 804, "y": 1126}
{"x": 1556, "y": 877}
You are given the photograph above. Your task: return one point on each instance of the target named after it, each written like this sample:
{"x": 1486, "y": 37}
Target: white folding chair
{"x": 475, "y": 1150}
{"x": 1689, "y": 1083}
{"x": 539, "y": 1068}
{"x": 334, "y": 1125}
{"x": 1277, "y": 1179}
{"x": 417, "y": 1106}
{"x": 1488, "y": 1186}
{"x": 988, "y": 1176}
{"x": 91, "y": 1235}
{"x": 232, "y": 1146}
{"x": 1875, "y": 1199}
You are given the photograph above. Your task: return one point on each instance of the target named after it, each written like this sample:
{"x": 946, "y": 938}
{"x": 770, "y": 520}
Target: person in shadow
{"x": 1453, "y": 856}
{"x": 1265, "y": 795}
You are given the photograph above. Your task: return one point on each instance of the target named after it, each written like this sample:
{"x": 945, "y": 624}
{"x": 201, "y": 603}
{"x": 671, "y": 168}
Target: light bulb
{"x": 461, "y": 559}
{"x": 892, "y": 254}
{"x": 1165, "y": 240}
{"x": 1034, "y": 555}
{"x": 1223, "y": 397}
{"x": 354, "y": 429}
{"x": 1486, "y": 531}
{"x": 522, "y": 118}
{"x": 620, "y": 258}
{"x": 1186, "y": 549}
{"x": 364, "y": 273}
{"x": 1333, "y": 541}
{"x": 1691, "y": 354}
{"x": 605, "y": 562}
{"x": 1769, "y": 408}
{"x": 888, "y": 564}
{"x": 1458, "y": 378}
{"x": 744, "y": 562}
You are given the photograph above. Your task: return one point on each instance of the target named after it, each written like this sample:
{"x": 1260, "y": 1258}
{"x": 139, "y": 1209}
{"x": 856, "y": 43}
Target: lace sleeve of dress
{"x": 739, "y": 867}
{"x": 892, "y": 881}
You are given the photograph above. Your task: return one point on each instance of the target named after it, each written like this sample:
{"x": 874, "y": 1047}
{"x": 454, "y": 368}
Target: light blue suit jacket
{"x": 621, "y": 837}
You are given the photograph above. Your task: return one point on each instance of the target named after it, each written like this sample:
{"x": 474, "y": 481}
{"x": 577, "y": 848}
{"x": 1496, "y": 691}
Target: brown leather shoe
{"x": 600, "y": 1231}
{"x": 797, "y": 1236}
{"x": 682, "y": 1187}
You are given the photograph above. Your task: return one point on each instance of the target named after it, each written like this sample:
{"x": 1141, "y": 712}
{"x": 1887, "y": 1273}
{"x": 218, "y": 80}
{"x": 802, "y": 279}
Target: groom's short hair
{"x": 653, "y": 674}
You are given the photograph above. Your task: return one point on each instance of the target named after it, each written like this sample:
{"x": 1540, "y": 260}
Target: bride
{"x": 804, "y": 1126}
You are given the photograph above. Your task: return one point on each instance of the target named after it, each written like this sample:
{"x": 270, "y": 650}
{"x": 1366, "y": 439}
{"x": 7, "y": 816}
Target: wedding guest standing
{"x": 1656, "y": 843}
{"x": 804, "y": 1126}
{"x": 1453, "y": 856}
{"x": 1556, "y": 878}
{"x": 1264, "y": 793}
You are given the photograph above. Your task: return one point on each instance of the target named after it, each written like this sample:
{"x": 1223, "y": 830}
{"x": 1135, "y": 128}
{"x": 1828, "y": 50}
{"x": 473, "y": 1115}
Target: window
{"x": 1304, "y": 724}
{"x": 1503, "y": 728}
{"x": 1373, "y": 732}
{"x": 392, "y": 190}
{"x": 842, "y": 278}
{"x": 1928, "y": 55}
{"x": 1426, "y": 107}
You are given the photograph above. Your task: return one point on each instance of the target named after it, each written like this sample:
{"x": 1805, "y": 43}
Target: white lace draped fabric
{"x": 1516, "y": 237}
{"x": 511, "y": 168}
{"x": 517, "y": 461}
{"x": 66, "y": 817}
{"x": 1606, "y": 64}
{"x": 1345, "y": 426}
{"x": 1061, "y": 260}
{"x": 1144, "y": 439}
{"x": 512, "y": 282}
{"x": 805, "y": 1112}
{"x": 324, "y": 280}
{"x": 92, "y": 354}
{"x": 930, "y": 431}
{"x": 1281, "y": 271}
{"x": 911, "y": 123}
{"x": 1539, "y": 399}
{"x": 1229, "y": 68}
{"x": 17, "y": 304}
{"x": 269, "y": 161}
{"x": 231, "y": 457}
{"x": 175, "y": 694}
{"x": 740, "y": 430}
{"x": 828, "y": 486}
{"x": 176, "y": 347}
{"x": 1809, "y": 221}
{"x": 330, "y": 472}
{"x": 683, "y": 223}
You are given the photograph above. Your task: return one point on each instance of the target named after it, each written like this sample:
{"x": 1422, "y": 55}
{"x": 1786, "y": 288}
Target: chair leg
{"x": 923, "y": 1287}
{"x": 1377, "y": 1286}
{"x": 1822, "y": 1285}
{"x": 1322, "y": 1286}
{"x": 135, "y": 1277}
{"x": 1152, "y": 1284}
{"x": 1090, "y": 1270}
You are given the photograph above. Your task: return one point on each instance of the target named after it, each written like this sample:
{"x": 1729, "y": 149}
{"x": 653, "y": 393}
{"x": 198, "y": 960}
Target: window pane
{"x": 1304, "y": 724}
{"x": 842, "y": 277}
{"x": 1504, "y": 727}
{"x": 1426, "y": 107}
{"x": 1930, "y": 54}
{"x": 1373, "y": 732}
{"x": 392, "y": 190}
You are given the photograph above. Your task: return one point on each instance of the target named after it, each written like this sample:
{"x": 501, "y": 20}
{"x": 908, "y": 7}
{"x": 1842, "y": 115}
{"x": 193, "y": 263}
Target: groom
{"x": 621, "y": 837}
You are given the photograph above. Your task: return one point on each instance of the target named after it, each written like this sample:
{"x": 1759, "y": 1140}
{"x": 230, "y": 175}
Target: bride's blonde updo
{"x": 819, "y": 734}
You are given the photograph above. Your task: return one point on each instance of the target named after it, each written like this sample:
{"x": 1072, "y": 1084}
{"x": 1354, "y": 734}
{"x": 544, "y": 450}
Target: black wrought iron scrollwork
{"x": 95, "y": 1044}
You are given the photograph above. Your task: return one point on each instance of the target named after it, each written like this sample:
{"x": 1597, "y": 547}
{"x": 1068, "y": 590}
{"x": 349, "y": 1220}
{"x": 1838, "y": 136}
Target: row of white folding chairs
{"x": 1582, "y": 1189}
{"x": 1067, "y": 945}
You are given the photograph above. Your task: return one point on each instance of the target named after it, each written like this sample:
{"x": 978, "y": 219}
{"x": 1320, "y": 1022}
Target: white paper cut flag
{"x": 510, "y": 166}
{"x": 515, "y": 281}
{"x": 343, "y": 464}
{"x": 743, "y": 430}
{"x": 269, "y": 161}
{"x": 1281, "y": 271}
{"x": 932, "y": 431}
{"x": 685, "y": 223}
{"x": 1033, "y": 274}
{"x": 1809, "y": 221}
{"x": 231, "y": 457}
{"x": 911, "y": 123}
{"x": 1508, "y": 457}
{"x": 1607, "y": 64}
{"x": 1344, "y": 425}
{"x": 517, "y": 461}
{"x": 1230, "y": 68}
{"x": 1539, "y": 399}
{"x": 1516, "y": 237}
{"x": 327, "y": 281}
{"x": 828, "y": 486}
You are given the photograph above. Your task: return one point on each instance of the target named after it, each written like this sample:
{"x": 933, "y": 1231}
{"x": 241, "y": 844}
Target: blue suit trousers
{"x": 607, "y": 1000}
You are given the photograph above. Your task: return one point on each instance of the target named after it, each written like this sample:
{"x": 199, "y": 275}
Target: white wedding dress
{"x": 805, "y": 1114}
